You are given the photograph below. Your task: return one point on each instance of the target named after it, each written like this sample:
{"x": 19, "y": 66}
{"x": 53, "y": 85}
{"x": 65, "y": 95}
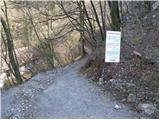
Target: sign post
{"x": 113, "y": 40}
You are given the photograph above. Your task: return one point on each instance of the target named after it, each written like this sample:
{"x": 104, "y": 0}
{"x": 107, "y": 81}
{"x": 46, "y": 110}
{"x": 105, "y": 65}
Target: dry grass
{"x": 92, "y": 67}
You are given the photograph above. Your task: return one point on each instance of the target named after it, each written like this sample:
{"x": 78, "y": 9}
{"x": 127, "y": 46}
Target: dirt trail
{"x": 61, "y": 94}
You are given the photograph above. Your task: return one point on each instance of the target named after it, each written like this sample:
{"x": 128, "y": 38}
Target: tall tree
{"x": 114, "y": 13}
{"x": 103, "y": 17}
{"x": 89, "y": 21}
{"x": 10, "y": 47}
{"x": 81, "y": 16}
{"x": 97, "y": 20}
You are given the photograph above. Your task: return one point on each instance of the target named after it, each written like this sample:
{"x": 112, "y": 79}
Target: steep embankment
{"x": 135, "y": 79}
{"x": 61, "y": 94}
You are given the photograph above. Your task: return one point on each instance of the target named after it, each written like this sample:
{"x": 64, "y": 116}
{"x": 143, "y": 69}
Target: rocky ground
{"x": 63, "y": 93}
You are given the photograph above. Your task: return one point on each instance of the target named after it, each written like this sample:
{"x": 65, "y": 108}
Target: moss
{"x": 155, "y": 79}
{"x": 153, "y": 82}
{"x": 136, "y": 40}
{"x": 147, "y": 5}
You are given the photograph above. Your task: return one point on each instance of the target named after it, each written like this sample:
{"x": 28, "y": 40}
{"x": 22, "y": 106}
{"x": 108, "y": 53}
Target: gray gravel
{"x": 63, "y": 93}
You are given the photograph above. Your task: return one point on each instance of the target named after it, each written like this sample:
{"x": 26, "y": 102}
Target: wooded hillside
{"x": 37, "y": 36}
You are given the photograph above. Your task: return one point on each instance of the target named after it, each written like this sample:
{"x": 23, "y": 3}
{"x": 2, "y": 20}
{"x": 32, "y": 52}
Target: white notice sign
{"x": 113, "y": 39}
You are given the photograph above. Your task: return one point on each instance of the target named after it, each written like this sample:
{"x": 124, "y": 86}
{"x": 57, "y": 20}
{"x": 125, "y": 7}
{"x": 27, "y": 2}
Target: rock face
{"x": 147, "y": 108}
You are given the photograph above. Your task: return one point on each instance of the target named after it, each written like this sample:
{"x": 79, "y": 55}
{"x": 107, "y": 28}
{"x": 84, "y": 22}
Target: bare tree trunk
{"x": 88, "y": 19}
{"x": 97, "y": 20}
{"x": 116, "y": 22}
{"x": 78, "y": 25}
{"x": 81, "y": 27}
{"x": 10, "y": 48}
{"x": 103, "y": 18}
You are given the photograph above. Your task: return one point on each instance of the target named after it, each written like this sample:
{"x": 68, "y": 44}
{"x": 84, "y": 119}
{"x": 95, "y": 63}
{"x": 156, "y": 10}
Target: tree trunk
{"x": 103, "y": 18}
{"x": 97, "y": 20}
{"x": 81, "y": 27}
{"x": 10, "y": 48}
{"x": 114, "y": 15}
{"x": 88, "y": 19}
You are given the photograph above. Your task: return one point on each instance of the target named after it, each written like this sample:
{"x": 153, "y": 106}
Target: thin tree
{"x": 102, "y": 17}
{"x": 81, "y": 16}
{"x": 88, "y": 19}
{"x": 97, "y": 20}
{"x": 10, "y": 47}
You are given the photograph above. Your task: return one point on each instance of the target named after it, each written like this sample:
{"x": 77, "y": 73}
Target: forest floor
{"x": 62, "y": 93}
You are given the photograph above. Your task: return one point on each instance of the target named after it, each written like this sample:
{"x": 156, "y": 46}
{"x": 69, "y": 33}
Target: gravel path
{"x": 61, "y": 94}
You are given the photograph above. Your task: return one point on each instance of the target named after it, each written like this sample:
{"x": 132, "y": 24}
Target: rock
{"x": 117, "y": 107}
{"x": 100, "y": 81}
{"x": 3, "y": 76}
{"x": 123, "y": 100}
{"x": 111, "y": 80}
{"x": 131, "y": 98}
{"x": 153, "y": 16}
{"x": 1, "y": 84}
{"x": 147, "y": 108}
{"x": 118, "y": 84}
{"x": 137, "y": 53}
{"x": 155, "y": 6}
{"x": 145, "y": 17}
{"x": 129, "y": 85}
{"x": 105, "y": 82}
